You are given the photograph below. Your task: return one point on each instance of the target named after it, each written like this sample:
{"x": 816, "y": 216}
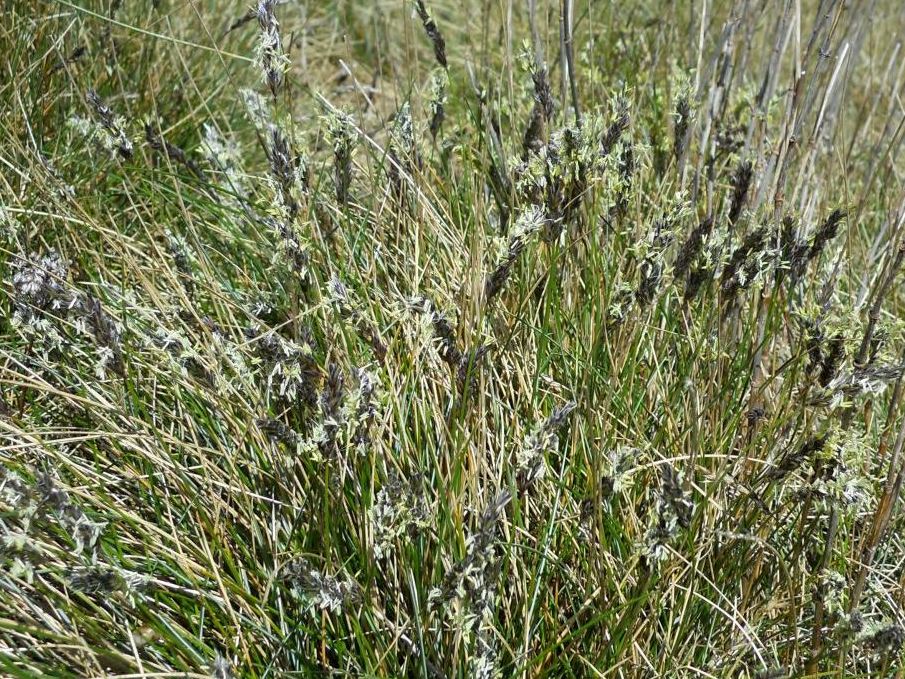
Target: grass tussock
{"x": 451, "y": 339}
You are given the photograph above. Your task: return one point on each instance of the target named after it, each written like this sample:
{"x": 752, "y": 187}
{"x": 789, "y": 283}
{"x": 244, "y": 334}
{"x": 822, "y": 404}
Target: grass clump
{"x": 436, "y": 339}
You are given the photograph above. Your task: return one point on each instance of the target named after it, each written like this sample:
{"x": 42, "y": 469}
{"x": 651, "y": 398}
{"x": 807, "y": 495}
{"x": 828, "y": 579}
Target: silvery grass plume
{"x": 559, "y": 175}
{"x": 290, "y": 173}
{"x": 183, "y": 259}
{"x": 868, "y": 379}
{"x": 331, "y": 412}
{"x": 39, "y": 284}
{"x": 31, "y": 503}
{"x": 690, "y": 250}
{"x": 827, "y": 231}
{"x": 346, "y": 415}
{"x": 529, "y": 223}
{"x": 530, "y": 462}
{"x": 626, "y": 165}
{"x": 291, "y": 249}
{"x": 793, "y": 459}
{"x": 342, "y": 134}
{"x": 338, "y": 295}
{"x": 831, "y": 588}
{"x": 361, "y": 408}
{"x": 84, "y": 531}
{"x": 620, "y": 119}
{"x": 269, "y": 53}
{"x": 222, "y": 668}
{"x": 822, "y": 344}
{"x": 473, "y": 582}
{"x": 278, "y": 432}
{"x": 401, "y": 150}
{"x": 621, "y": 301}
{"x": 882, "y": 639}
{"x": 116, "y": 137}
{"x": 61, "y": 188}
{"x": 443, "y": 332}
{"x": 459, "y": 581}
{"x": 400, "y": 511}
{"x": 289, "y": 369}
{"x": 670, "y": 511}
{"x": 319, "y": 591}
{"x": 710, "y": 260}
{"x": 41, "y": 292}
{"x": 531, "y": 178}
{"x": 839, "y": 482}
{"x": 434, "y": 329}
{"x": 655, "y": 249}
{"x": 288, "y": 169}
{"x": 257, "y": 109}
{"x": 621, "y": 466}
{"x": 573, "y": 161}
{"x": 102, "y": 581}
{"x": 108, "y": 130}
{"x": 793, "y": 251}
{"x": 224, "y": 156}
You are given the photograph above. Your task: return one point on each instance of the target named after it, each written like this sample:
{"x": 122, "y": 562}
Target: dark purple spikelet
{"x": 887, "y": 639}
{"x": 479, "y": 546}
{"x": 331, "y": 401}
{"x": 793, "y": 460}
{"x": 270, "y": 51}
{"x": 94, "y": 580}
{"x": 625, "y": 165}
{"x": 278, "y": 432}
{"x": 683, "y": 117}
{"x": 104, "y": 329}
{"x": 333, "y": 393}
{"x": 443, "y": 330}
{"x": 741, "y": 184}
{"x": 469, "y": 364}
{"x": 112, "y": 124}
{"x": 691, "y": 248}
{"x": 533, "y": 139}
{"x": 652, "y": 266}
{"x": 543, "y": 95}
{"x": 697, "y": 277}
{"x": 742, "y": 263}
{"x": 831, "y": 359}
{"x": 171, "y": 151}
{"x": 287, "y": 168}
{"x": 672, "y": 493}
{"x": 827, "y": 232}
{"x": 793, "y": 250}
{"x": 616, "y": 128}
{"x": 814, "y": 337}
{"x": 73, "y": 57}
{"x": 541, "y": 112}
{"x": 433, "y": 33}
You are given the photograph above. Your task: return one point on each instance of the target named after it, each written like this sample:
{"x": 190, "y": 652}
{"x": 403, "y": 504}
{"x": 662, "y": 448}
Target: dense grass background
{"x": 478, "y": 338}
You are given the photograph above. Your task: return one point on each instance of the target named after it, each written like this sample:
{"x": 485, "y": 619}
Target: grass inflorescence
{"x": 436, "y": 339}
